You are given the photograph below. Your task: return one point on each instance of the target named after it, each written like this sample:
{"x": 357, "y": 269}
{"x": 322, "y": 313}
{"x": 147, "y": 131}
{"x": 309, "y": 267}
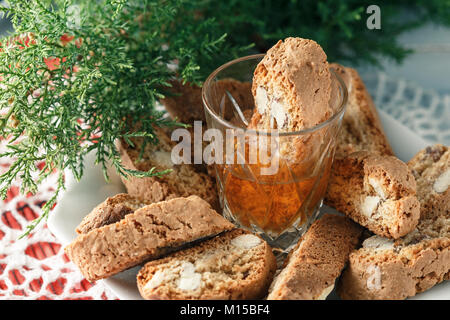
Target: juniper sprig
{"x": 75, "y": 76}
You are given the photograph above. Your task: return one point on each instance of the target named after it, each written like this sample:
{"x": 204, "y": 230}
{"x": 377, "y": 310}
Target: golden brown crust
{"x": 361, "y": 127}
{"x": 427, "y": 166}
{"x": 378, "y": 192}
{"x": 314, "y": 264}
{"x": 224, "y": 271}
{"x": 396, "y": 273}
{"x": 109, "y": 211}
{"x": 146, "y": 234}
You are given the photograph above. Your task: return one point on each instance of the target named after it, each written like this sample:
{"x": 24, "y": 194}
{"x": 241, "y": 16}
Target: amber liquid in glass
{"x": 274, "y": 203}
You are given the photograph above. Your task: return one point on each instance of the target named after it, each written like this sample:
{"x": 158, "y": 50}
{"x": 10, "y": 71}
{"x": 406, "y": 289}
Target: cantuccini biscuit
{"x": 361, "y": 126}
{"x": 378, "y": 192}
{"x": 182, "y": 181}
{"x": 317, "y": 260}
{"x": 388, "y": 269}
{"x": 430, "y": 168}
{"x": 147, "y": 233}
{"x": 109, "y": 211}
{"x": 233, "y": 265}
{"x": 291, "y": 87}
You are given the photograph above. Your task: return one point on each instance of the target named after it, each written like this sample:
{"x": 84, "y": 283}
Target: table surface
{"x": 36, "y": 267}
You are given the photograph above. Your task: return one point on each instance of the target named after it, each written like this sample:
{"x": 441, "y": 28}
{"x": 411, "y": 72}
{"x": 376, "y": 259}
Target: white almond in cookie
{"x": 162, "y": 159}
{"x": 369, "y": 205}
{"x": 156, "y": 280}
{"x": 261, "y": 100}
{"x": 377, "y": 186}
{"x": 378, "y": 243}
{"x": 189, "y": 279}
{"x": 442, "y": 182}
{"x": 374, "y": 280}
{"x": 246, "y": 241}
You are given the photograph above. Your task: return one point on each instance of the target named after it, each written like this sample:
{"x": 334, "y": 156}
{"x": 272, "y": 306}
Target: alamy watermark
{"x": 374, "y": 20}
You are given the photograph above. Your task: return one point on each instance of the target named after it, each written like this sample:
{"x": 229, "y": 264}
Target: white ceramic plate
{"x": 81, "y": 197}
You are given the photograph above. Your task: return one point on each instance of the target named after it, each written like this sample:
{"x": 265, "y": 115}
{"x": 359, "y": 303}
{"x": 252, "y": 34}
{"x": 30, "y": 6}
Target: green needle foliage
{"x": 339, "y": 26}
{"x": 78, "y": 75}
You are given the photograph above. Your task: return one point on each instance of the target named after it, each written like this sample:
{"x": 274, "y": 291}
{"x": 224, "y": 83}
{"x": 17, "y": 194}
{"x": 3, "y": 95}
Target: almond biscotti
{"x": 378, "y": 192}
{"x": 147, "y": 233}
{"x": 430, "y": 168}
{"x": 111, "y": 210}
{"x": 317, "y": 260}
{"x": 184, "y": 179}
{"x": 388, "y": 269}
{"x": 361, "y": 127}
{"x": 291, "y": 87}
{"x": 233, "y": 265}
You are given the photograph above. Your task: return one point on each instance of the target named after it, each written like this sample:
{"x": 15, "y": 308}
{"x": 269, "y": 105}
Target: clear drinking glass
{"x": 270, "y": 182}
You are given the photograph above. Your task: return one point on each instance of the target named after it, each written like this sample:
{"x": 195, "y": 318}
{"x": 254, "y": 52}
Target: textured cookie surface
{"x": 314, "y": 264}
{"x": 146, "y": 234}
{"x": 233, "y": 265}
{"x": 431, "y": 169}
{"x": 109, "y": 211}
{"x": 378, "y": 192}
{"x": 361, "y": 127}
{"x": 388, "y": 269}
{"x": 292, "y": 87}
{"x": 184, "y": 179}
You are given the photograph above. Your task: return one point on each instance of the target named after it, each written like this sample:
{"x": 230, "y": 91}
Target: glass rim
{"x": 228, "y": 124}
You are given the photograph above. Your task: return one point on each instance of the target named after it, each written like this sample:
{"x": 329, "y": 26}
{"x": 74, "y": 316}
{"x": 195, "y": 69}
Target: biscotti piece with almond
{"x": 317, "y": 260}
{"x": 361, "y": 126}
{"x": 148, "y": 233}
{"x": 384, "y": 269}
{"x": 233, "y": 265}
{"x": 387, "y": 269}
{"x": 184, "y": 179}
{"x": 376, "y": 191}
{"x": 431, "y": 170}
{"x": 291, "y": 87}
{"x": 111, "y": 210}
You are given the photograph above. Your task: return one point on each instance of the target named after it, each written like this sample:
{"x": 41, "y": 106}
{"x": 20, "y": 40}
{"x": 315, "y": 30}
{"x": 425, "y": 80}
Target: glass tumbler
{"x": 270, "y": 182}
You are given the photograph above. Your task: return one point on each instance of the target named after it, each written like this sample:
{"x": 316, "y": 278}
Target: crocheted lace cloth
{"x": 36, "y": 267}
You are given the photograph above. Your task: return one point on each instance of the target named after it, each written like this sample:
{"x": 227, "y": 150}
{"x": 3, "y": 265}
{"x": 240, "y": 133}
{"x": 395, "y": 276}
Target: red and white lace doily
{"x": 35, "y": 267}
